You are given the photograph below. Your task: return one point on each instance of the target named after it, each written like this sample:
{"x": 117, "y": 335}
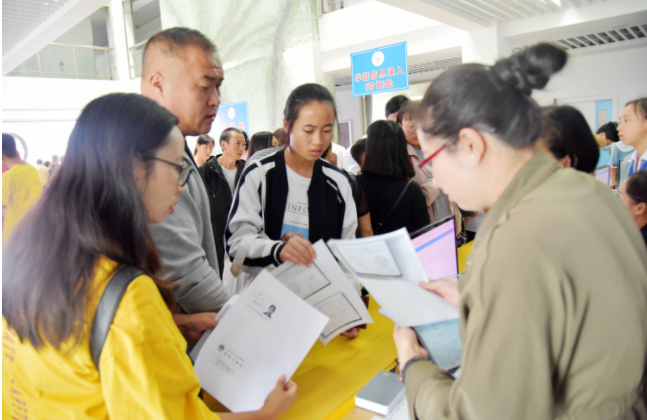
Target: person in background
{"x": 349, "y": 164}
{"x": 633, "y": 132}
{"x": 21, "y": 187}
{"x": 203, "y": 149}
{"x": 393, "y": 106}
{"x": 438, "y": 204}
{"x": 358, "y": 151}
{"x": 43, "y": 172}
{"x": 566, "y": 136}
{"x": 633, "y": 194}
{"x": 538, "y": 338}
{"x": 246, "y": 154}
{"x": 280, "y": 134}
{"x": 261, "y": 141}
{"x": 620, "y": 154}
{"x": 115, "y": 180}
{"x": 54, "y": 166}
{"x": 339, "y": 151}
{"x": 306, "y": 198}
{"x": 393, "y": 200}
{"x": 606, "y": 137}
{"x": 220, "y": 174}
{"x": 182, "y": 71}
{"x": 46, "y": 164}
{"x": 330, "y": 156}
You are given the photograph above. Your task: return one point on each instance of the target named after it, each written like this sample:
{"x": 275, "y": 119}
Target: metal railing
{"x": 68, "y": 61}
{"x": 136, "y": 57}
{"x": 327, "y": 6}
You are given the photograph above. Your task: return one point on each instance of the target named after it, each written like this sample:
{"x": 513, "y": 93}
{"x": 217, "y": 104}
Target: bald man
{"x": 183, "y": 72}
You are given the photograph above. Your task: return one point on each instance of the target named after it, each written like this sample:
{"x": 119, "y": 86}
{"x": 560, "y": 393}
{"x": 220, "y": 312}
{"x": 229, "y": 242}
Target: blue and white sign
{"x": 230, "y": 115}
{"x": 383, "y": 69}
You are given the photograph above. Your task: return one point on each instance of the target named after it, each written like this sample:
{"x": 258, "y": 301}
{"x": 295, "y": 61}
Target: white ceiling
{"x": 21, "y": 17}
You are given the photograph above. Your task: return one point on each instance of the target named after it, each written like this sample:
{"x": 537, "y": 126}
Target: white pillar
{"x": 118, "y": 41}
{"x": 486, "y": 46}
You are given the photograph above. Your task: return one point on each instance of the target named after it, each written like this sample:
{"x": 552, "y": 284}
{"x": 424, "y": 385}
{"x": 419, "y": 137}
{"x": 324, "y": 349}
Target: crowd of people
{"x": 553, "y": 301}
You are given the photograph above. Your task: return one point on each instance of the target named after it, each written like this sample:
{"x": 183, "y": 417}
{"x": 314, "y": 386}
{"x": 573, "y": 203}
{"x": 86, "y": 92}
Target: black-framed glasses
{"x": 184, "y": 169}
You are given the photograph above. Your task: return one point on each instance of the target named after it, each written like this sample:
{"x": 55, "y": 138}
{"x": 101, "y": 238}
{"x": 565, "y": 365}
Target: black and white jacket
{"x": 330, "y": 199}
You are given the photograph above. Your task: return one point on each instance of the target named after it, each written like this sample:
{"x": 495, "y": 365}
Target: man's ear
{"x": 156, "y": 85}
{"x": 566, "y": 162}
{"x": 640, "y": 209}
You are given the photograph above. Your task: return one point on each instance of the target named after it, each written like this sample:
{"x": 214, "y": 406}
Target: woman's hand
{"x": 279, "y": 400}
{"x": 194, "y": 325}
{"x": 352, "y": 333}
{"x": 407, "y": 345}
{"x": 446, "y": 289}
{"x": 298, "y": 251}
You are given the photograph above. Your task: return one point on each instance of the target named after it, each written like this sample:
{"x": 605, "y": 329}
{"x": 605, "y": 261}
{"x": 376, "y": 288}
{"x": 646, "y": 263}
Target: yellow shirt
{"x": 145, "y": 371}
{"x": 21, "y": 188}
{"x": 43, "y": 174}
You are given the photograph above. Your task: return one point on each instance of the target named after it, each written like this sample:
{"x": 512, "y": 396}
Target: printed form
{"x": 265, "y": 334}
{"x": 399, "y": 295}
{"x": 325, "y": 286}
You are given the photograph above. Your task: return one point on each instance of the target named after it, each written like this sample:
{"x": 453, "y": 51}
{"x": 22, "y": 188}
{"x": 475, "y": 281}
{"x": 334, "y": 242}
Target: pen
{"x": 455, "y": 276}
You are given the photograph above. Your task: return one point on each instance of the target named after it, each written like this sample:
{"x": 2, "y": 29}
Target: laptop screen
{"x": 603, "y": 174}
{"x": 436, "y": 249}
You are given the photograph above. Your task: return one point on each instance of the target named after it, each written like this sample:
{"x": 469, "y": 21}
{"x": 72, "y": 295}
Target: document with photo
{"x": 266, "y": 333}
{"x": 399, "y": 296}
{"x": 325, "y": 286}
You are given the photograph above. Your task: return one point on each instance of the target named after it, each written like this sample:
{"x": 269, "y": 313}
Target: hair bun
{"x": 531, "y": 68}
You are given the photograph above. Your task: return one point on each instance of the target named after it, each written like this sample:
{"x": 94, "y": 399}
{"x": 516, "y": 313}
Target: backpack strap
{"x": 379, "y": 225}
{"x": 107, "y": 308}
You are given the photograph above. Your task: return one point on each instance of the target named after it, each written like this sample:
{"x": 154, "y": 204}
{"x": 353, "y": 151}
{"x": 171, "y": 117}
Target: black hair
{"x": 610, "y": 130}
{"x": 39, "y": 161}
{"x": 637, "y": 187}
{"x": 91, "y": 209}
{"x": 303, "y": 95}
{"x": 173, "y": 41}
{"x": 260, "y": 141}
{"x": 640, "y": 107}
{"x": 9, "y": 146}
{"x": 410, "y": 109}
{"x": 494, "y": 99}
{"x": 280, "y": 134}
{"x": 357, "y": 150}
{"x": 394, "y": 104}
{"x": 386, "y": 151}
{"x": 566, "y": 133}
{"x": 202, "y": 140}
{"x": 244, "y": 133}
{"x": 47, "y": 163}
{"x": 226, "y": 134}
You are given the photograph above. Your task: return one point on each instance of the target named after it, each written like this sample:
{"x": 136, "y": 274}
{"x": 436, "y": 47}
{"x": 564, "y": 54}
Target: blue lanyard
{"x": 643, "y": 166}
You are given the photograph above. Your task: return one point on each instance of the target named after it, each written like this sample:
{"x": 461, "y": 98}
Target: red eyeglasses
{"x": 425, "y": 165}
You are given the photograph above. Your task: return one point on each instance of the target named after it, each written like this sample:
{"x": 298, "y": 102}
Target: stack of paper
{"x": 325, "y": 286}
{"x": 266, "y": 334}
{"x": 387, "y": 265}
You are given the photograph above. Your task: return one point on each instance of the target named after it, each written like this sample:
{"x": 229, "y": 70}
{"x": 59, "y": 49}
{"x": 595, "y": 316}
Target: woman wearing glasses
{"x": 122, "y": 171}
{"x": 554, "y": 298}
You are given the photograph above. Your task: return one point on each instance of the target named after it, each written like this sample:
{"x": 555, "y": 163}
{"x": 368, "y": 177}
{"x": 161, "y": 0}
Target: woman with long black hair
{"x": 123, "y": 170}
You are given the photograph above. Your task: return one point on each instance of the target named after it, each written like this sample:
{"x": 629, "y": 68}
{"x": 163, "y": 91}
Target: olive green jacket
{"x": 553, "y": 309}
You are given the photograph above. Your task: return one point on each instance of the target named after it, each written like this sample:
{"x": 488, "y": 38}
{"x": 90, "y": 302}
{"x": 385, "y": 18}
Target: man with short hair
{"x": 393, "y": 106}
{"x": 54, "y": 166}
{"x": 43, "y": 172}
{"x": 21, "y": 187}
{"x": 182, "y": 72}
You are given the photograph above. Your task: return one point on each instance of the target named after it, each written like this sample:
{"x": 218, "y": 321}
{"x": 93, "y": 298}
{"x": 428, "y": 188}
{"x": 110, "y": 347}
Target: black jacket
{"x": 220, "y": 198}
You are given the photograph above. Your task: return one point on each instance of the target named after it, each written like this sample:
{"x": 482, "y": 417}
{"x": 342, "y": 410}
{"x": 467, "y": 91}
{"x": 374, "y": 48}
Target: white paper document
{"x": 205, "y": 336}
{"x": 325, "y": 286}
{"x": 405, "y": 302}
{"x": 400, "y": 412}
{"x": 266, "y": 334}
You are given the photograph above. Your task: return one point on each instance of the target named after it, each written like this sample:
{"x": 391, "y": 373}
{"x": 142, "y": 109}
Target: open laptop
{"x": 435, "y": 245}
{"x": 603, "y": 173}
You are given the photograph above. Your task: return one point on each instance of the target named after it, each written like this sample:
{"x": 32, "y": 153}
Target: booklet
{"x": 400, "y": 296}
{"x": 325, "y": 286}
{"x": 265, "y": 334}
{"x": 442, "y": 341}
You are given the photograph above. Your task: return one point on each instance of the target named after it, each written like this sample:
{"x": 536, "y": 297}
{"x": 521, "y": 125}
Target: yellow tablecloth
{"x": 331, "y": 375}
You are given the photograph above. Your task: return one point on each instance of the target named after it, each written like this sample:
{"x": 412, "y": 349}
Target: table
{"x": 331, "y": 375}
